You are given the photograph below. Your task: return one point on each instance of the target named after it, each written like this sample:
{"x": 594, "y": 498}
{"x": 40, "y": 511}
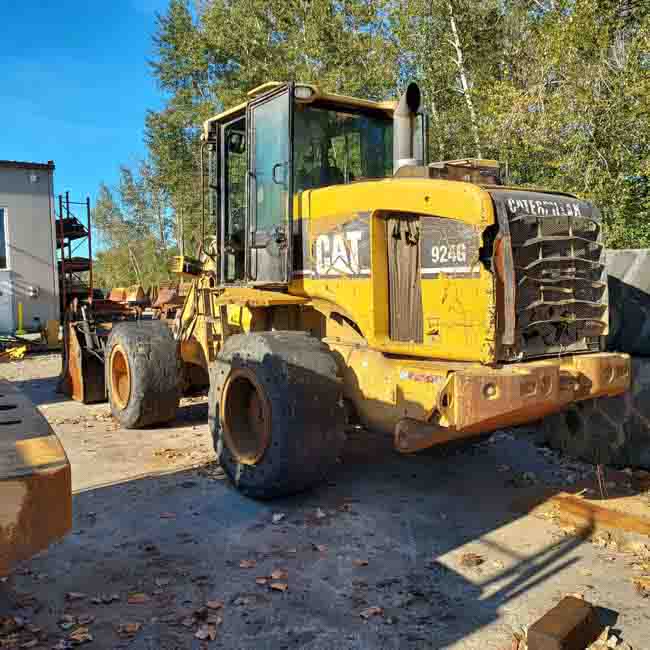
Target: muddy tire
{"x": 275, "y": 412}
{"x": 142, "y": 374}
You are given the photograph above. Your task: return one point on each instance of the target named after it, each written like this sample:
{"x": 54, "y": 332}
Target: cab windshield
{"x": 333, "y": 146}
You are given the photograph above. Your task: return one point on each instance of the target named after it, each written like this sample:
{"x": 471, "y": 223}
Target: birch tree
{"x": 463, "y": 78}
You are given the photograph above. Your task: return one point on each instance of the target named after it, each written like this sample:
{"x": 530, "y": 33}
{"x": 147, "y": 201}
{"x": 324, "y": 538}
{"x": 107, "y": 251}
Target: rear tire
{"x": 276, "y": 412}
{"x": 142, "y": 374}
{"x": 604, "y": 430}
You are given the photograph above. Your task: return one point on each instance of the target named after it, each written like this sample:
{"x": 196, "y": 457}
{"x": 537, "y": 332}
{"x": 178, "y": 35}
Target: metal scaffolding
{"x": 74, "y": 238}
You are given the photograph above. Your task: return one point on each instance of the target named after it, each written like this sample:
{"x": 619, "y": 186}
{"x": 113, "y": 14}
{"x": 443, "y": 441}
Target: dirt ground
{"x": 427, "y": 551}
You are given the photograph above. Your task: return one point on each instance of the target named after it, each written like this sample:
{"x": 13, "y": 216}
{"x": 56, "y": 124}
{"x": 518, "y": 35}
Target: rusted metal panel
{"x": 74, "y": 365}
{"x": 483, "y": 399}
{"x": 35, "y": 483}
{"x": 82, "y": 374}
{"x": 404, "y": 286}
{"x": 411, "y": 436}
{"x": 167, "y": 296}
{"x": 571, "y": 625}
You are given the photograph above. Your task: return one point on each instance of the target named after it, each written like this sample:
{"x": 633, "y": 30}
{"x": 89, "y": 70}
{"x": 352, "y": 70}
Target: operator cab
{"x": 286, "y": 139}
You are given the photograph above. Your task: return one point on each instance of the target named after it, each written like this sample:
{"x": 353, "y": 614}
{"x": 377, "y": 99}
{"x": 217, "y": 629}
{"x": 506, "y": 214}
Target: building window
{"x": 3, "y": 240}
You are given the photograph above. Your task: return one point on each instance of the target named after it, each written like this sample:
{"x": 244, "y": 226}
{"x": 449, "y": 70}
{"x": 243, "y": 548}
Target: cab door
{"x": 270, "y": 186}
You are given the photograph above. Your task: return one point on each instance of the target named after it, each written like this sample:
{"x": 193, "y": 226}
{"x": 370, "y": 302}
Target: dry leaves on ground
{"x": 206, "y": 632}
{"x": 214, "y": 604}
{"x": 360, "y": 563}
{"x": 471, "y": 559}
{"x": 169, "y": 454}
{"x": 138, "y": 599}
{"x": 247, "y": 564}
{"x": 370, "y": 612}
{"x": 75, "y": 595}
{"x": 80, "y": 635}
{"x": 128, "y": 629}
{"x": 67, "y": 622}
{"x": 105, "y": 599}
{"x": 642, "y": 584}
{"x": 280, "y": 574}
{"x": 279, "y": 586}
{"x": 607, "y": 640}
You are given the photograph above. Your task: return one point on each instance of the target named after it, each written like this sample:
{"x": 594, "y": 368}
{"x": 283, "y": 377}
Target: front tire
{"x": 276, "y": 412}
{"x": 142, "y": 374}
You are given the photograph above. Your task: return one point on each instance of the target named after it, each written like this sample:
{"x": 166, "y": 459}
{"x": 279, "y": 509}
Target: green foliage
{"x": 134, "y": 230}
{"x": 558, "y": 90}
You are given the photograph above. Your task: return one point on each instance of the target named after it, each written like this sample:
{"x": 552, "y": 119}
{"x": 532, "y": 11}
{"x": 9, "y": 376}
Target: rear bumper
{"x": 35, "y": 482}
{"x": 479, "y": 399}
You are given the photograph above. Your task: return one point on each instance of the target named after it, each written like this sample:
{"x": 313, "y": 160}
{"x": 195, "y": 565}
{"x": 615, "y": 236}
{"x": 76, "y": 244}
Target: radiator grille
{"x": 559, "y": 274}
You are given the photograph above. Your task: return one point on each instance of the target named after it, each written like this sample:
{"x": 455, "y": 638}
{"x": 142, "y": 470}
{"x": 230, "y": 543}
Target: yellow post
{"x": 20, "y": 331}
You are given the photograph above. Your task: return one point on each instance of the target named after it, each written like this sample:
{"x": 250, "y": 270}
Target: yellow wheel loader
{"x": 345, "y": 276}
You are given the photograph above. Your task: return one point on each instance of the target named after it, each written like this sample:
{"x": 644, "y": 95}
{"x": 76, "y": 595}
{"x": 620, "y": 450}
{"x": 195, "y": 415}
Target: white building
{"x": 28, "y": 271}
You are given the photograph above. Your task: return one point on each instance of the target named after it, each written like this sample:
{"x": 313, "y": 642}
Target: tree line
{"x": 557, "y": 90}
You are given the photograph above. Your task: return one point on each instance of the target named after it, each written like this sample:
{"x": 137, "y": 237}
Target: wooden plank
{"x": 593, "y": 515}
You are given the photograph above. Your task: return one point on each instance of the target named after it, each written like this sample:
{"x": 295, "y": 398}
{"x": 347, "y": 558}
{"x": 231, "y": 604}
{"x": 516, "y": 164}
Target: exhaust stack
{"x": 408, "y": 146}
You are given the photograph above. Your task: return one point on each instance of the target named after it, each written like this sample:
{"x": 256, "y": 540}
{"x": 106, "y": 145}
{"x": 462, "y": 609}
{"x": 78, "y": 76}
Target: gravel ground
{"x": 426, "y": 551}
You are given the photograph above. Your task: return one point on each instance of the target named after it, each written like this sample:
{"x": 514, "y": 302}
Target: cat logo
{"x": 338, "y": 254}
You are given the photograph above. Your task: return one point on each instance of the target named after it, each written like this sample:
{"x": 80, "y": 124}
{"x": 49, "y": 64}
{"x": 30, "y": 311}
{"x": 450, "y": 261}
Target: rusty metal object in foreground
{"x": 571, "y": 625}
{"x": 35, "y": 483}
{"x": 477, "y": 400}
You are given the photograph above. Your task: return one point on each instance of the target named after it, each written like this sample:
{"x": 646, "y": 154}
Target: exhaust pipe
{"x": 408, "y": 140}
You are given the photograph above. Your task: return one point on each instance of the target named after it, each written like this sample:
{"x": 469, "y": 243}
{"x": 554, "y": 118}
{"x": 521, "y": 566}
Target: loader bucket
{"x": 35, "y": 482}
{"x": 82, "y": 375}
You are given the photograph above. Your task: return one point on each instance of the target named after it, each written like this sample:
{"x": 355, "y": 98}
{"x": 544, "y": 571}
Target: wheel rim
{"x": 120, "y": 377}
{"x": 246, "y": 416}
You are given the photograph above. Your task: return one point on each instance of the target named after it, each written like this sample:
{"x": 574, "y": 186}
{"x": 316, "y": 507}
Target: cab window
{"x": 334, "y": 146}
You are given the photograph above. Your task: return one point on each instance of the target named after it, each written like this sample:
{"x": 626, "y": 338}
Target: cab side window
{"x": 235, "y": 200}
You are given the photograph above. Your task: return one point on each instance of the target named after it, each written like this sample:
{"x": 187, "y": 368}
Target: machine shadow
{"x": 41, "y": 391}
{"x": 407, "y": 516}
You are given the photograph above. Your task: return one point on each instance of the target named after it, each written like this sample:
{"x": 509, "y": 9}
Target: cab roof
{"x": 316, "y": 95}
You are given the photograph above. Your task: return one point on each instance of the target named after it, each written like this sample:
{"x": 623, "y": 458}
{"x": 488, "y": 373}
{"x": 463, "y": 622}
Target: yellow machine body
{"x": 466, "y": 372}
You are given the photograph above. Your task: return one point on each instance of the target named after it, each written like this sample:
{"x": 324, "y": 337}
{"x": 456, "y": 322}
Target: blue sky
{"x": 75, "y": 86}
